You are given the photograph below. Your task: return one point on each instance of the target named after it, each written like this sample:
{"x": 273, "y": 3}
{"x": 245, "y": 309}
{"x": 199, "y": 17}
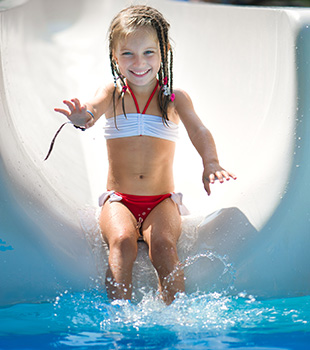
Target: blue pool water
{"x": 213, "y": 321}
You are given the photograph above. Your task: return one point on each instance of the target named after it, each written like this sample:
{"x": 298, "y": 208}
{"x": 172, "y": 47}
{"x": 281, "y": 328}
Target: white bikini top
{"x": 140, "y": 124}
{"x": 137, "y": 124}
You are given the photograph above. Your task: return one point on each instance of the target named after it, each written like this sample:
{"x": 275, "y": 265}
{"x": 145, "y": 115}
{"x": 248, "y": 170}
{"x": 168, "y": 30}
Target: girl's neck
{"x": 148, "y": 101}
{"x": 142, "y": 90}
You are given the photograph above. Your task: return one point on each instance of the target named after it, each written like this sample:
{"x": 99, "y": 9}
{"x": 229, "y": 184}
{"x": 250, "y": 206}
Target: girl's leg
{"x": 161, "y": 231}
{"x": 118, "y": 228}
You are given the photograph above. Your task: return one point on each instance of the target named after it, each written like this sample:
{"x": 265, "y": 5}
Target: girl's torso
{"x": 141, "y": 165}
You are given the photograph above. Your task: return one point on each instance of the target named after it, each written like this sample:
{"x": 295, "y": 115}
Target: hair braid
{"x": 171, "y": 70}
{"x": 163, "y": 72}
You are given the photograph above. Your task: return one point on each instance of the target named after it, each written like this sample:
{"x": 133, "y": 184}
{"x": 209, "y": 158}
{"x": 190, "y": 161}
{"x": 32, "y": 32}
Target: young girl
{"x": 142, "y": 113}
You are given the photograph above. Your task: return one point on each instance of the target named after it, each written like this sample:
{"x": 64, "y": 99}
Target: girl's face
{"x": 138, "y": 57}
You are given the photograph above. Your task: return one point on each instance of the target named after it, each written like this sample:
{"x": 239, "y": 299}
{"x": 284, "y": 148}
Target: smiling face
{"x": 138, "y": 56}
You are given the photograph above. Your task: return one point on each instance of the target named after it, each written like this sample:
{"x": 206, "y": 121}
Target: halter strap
{"x": 148, "y": 101}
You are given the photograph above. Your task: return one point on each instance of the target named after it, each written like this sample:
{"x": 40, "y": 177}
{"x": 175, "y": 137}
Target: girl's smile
{"x": 138, "y": 57}
{"x": 141, "y": 73}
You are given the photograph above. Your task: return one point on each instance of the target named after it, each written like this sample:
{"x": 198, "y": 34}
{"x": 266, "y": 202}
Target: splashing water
{"x": 196, "y": 321}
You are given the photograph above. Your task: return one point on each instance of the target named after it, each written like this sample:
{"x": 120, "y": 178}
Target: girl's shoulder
{"x": 182, "y": 99}
{"x": 184, "y": 108}
{"x": 106, "y": 90}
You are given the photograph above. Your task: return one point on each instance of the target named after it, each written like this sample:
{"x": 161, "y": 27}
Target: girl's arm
{"x": 202, "y": 139}
{"x": 85, "y": 115}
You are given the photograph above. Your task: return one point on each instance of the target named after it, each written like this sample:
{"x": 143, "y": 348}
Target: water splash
{"x": 196, "y": 321}
{"x": 206, "y": 262}
{"x": 215, "y": 312}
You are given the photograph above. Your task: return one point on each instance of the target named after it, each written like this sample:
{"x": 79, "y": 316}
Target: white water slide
{"x": 247, "y": 71}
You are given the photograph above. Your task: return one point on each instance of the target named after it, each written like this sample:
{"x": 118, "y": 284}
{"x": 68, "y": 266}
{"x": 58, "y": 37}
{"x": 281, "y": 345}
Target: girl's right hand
{"x": 77, "y": 113}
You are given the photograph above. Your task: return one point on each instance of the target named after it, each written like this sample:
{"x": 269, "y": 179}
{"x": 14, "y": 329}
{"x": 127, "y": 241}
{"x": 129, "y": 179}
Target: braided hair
{"x": 125, "y": 23}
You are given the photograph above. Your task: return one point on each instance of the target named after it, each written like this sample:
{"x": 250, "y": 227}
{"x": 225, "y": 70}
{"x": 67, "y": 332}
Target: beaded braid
{"x": 164, "y": 96}
{"x": 125, "y": 23}
{"x": 117, "y": 75}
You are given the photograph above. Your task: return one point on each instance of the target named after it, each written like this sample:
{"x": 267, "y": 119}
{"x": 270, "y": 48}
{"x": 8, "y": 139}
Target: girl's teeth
{"x": 140, "y": 73}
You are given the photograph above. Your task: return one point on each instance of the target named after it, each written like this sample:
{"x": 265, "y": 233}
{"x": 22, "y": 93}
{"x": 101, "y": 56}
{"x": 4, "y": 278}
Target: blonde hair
{"x": 125, "y": 23}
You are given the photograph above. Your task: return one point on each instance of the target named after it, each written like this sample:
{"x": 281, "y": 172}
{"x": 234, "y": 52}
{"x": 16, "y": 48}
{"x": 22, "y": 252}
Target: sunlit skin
{"x": 143, "y": 165}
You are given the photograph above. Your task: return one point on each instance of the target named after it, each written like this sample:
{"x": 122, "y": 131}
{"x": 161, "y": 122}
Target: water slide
{"x": 247, "y": 71}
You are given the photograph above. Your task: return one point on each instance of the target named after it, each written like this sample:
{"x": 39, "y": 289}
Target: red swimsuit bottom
{"x": 140, "y": 206}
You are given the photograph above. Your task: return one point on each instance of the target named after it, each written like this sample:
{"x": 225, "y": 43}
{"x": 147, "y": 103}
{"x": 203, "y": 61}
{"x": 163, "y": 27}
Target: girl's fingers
{"x": 233, "y": 176}
{"x": 62, "y": 111}
{"x": 219, "y": 176}
{"x": 77, "y": 103}
{"x": 70, "y": 105}
{"x": 74, "y": 106}
{"x": 211, "y": 178}
{"x": 78, "y": 106}
{"x": 226, "y": 175}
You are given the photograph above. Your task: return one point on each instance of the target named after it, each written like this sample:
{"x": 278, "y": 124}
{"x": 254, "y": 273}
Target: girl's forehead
{"x": 139, "y": 35}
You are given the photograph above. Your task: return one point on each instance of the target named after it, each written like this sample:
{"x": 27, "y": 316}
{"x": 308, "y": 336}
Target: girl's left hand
{"x": 215, "y": 172}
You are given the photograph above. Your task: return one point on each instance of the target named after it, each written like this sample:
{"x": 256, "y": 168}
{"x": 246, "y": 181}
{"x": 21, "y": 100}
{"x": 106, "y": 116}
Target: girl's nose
{"x": 139, "y": 61}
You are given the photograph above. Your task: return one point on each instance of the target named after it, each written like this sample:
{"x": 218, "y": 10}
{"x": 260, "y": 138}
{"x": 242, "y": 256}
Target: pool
{"x": 88, "y": 320}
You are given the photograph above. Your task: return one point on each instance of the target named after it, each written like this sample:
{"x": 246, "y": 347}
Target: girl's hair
{"x": 125, "y": 23}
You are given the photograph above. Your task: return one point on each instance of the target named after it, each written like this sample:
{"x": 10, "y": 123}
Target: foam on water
{"x": 195, "y": 321}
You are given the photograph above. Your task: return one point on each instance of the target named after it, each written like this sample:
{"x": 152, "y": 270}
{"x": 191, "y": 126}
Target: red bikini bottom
{"x": 141, "y": 206}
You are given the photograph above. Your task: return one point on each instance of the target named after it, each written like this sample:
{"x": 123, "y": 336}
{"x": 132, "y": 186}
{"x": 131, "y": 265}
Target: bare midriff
{"x": 140, "y": 165}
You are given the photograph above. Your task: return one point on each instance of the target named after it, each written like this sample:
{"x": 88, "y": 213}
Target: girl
{"x": 142, "y": 113}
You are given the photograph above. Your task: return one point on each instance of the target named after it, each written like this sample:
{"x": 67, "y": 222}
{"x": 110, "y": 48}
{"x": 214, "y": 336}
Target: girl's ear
{"x": 114, "y": 57}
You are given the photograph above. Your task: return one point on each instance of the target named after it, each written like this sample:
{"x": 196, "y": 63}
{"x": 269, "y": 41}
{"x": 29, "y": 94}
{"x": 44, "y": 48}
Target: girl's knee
{"x": 125, "y": 242}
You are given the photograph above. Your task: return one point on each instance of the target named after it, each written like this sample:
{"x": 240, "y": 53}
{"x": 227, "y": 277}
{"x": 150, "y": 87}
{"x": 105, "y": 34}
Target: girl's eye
{"x": 149, "y": 52}
{"x": 126, "y": 53}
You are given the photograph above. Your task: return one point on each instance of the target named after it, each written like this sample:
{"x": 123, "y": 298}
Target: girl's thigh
{"x": 163, "y": 223}
{"x": 117, "y": 222}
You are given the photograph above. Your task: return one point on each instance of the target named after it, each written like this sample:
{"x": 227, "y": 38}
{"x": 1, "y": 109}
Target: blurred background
{"x": 301, "y": 3}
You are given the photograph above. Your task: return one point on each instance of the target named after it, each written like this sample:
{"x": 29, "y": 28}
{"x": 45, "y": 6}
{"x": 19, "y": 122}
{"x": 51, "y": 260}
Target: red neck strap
{"x": 148, "y": 101}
